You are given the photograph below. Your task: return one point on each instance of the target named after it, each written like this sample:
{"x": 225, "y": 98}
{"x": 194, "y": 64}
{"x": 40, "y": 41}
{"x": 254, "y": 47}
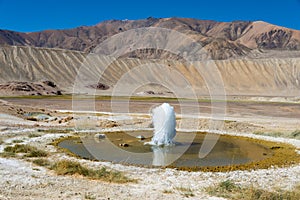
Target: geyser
{"x": 164, "y": 122}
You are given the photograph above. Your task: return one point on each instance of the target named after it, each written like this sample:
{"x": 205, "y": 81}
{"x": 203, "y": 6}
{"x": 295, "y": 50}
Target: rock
{"x": 149, "y": 92}
{"x": 31, "y": 119}
{"x": 15, "y": 88}
{"x": 100, "y": 136}
{"x": 108, "y": 124}
{"x": 37, "y": 116}
{"x": 67, "y": 119}
{"x": 42, "y": 117}
{"x": 49, "y": 83}
{"x": 150, "y": 125}
{"x": 124, "y": 145}
{"x": 141, "y": 137}
{"x": 3, "y": 128}
{"x": 99, "y": 86}
{"x": 275, "y": 147}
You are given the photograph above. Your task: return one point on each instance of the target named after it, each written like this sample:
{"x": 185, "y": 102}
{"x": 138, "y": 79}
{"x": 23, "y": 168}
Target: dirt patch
{"x": 17, "y": 88}
{"x": 108, "y": 124}
{"x": 98, "y": 86}
{"x": 34, "y": 181}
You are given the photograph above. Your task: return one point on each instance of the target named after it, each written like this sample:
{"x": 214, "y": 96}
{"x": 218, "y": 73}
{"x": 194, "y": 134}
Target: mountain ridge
{"x": 222, "y": 40}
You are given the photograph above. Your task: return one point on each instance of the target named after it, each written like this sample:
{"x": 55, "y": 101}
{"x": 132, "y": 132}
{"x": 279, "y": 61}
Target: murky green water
{"x": 185, "y": 153}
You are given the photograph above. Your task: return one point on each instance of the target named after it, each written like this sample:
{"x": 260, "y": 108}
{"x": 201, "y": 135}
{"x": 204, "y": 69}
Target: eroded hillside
{"x": 265, "y": 77}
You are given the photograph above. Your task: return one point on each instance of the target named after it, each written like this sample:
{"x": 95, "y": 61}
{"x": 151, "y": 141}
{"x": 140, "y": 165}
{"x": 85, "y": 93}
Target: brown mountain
{"x": 278, "y": 75}
{"x": 221, "y": 39}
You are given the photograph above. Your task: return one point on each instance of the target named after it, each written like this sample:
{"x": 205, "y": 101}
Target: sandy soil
{"x": 21, "y": 179}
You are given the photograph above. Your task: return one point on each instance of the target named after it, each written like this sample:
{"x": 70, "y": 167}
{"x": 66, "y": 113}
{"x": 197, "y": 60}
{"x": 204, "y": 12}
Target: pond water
{"x": 228, "y": 150}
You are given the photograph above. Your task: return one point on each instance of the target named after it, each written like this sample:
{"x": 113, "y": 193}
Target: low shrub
{"x": 28, "y": 150}
{"x": 230, "y": 190}
{"x": 66, "y": 167}
{"x": 41, "y": 162}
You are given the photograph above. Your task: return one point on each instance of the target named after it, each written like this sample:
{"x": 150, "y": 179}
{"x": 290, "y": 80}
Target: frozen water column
{"x": 164, "y": 122}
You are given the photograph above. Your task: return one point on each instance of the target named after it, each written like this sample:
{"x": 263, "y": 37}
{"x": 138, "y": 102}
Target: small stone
{"x": 141, "y": 137}
{"x": 124, "y": 145}
{"x": 100, "y": 136}
{"x": 150, "y": 125}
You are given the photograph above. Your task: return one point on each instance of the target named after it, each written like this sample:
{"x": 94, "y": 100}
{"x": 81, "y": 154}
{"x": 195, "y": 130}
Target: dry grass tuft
{"x": 17, "y": 141}
{"x": 28, "y": 150}
{"x": 41, "y": 162}
{"x": 186, "y": 192}
{"x": 230, "y": 190}
{"x": 66, "y": 167}
{"x": 33, "y": 135}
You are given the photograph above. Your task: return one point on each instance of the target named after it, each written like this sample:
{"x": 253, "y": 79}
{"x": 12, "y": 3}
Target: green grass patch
{"x": 66, "y": 167}
{"x": 229, "y": 121}
{"x": 7, "y": 155}
{"x": 28, "y": 150}
{"x": 186, "y": 192}
{"x": 168, "y": 191}
{"x": 68, "y": 130}
{"x": 296, "y": 134}
{"x": 107, "y": 98}
{"x": 89, "y": 196}
{"x": 17, "y": 141}
{"x": 228, "y": 185}
{"x": 291, "y": 134}
{"x": 269, "y": 133}
{"x": 230, "y": 190}
{"x": 70, "y": 97}
{"x": 37, "y": 153}
{"x": 19, "y": 148}
{"x": 1, "y": 141}
{"x": 33, "y": 135}
{"x": 41, "y": 162}
{"x": 38, "y": 97}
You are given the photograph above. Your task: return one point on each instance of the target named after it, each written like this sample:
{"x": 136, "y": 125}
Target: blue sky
{"x": 35, "y": 15}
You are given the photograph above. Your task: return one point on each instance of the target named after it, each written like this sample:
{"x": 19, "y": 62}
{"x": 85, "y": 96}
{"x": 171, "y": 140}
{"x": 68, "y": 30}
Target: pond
{"x": 127, "y": 148}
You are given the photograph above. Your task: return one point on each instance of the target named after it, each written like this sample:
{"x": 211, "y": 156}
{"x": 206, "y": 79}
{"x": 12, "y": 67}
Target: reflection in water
{"x": 162, "y": 156}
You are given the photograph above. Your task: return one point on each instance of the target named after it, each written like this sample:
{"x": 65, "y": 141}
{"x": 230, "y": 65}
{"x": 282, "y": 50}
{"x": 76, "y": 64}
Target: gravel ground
{"x": 21, "y": 179}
